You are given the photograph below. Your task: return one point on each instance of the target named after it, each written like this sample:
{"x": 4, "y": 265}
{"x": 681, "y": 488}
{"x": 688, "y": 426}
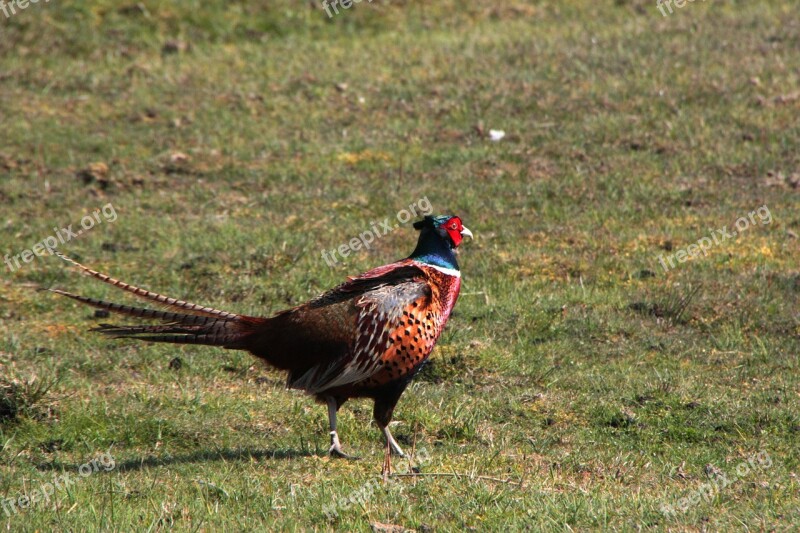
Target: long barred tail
{"x": 171, "y": 303}
{"x": 196, "y": 324}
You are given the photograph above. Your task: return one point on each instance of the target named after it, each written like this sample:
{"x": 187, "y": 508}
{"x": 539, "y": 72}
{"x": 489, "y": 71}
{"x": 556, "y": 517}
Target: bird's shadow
{"x": 240, "y": 454}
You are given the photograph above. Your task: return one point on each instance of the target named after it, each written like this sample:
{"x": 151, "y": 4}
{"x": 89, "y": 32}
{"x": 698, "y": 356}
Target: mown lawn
{"x": 579, "y": 384}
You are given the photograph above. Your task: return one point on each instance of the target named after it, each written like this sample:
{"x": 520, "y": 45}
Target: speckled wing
{"x": 380, "y": 312}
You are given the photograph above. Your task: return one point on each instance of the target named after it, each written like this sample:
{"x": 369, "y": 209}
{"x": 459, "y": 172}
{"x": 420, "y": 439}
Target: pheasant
{"x": 366, "y": 338}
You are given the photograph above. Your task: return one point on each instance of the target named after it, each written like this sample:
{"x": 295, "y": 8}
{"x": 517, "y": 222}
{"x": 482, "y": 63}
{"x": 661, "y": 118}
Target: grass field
{"x": 579, "y": 384}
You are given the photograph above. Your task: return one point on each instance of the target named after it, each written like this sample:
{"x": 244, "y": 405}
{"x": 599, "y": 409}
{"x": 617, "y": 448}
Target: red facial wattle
{"x": 456, "y": 230}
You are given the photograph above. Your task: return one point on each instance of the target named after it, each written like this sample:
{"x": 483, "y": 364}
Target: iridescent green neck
{"x": 434, "y": 248}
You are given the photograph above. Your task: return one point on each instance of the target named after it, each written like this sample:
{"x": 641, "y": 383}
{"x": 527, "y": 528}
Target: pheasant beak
{"x": 467, "y": 233}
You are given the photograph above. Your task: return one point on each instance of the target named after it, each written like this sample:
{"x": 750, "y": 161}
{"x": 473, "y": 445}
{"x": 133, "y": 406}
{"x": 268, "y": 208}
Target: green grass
{"x": 578, "y": 385}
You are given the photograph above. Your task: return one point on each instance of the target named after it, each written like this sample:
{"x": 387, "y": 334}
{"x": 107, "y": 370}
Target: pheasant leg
{"x": 336, "y": 446}
{"x": 393, "y": 443}
{"x": 387, "y": 462}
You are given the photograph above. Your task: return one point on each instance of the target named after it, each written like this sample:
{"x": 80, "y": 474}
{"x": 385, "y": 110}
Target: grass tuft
{"x": 24, "y": 397}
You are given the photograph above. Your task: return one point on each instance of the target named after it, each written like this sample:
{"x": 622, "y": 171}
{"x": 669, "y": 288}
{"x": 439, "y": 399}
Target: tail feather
{"x": 174, "y": 334}
{"x": 226, "y": 341}
{"x": 141, "y": 312}
{"x": 197, "y": 324}
{"x": 171, "y": 303}
{"x": 116, "y": 329}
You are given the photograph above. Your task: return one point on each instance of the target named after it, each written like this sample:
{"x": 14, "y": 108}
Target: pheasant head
{"x": 439, "y": 237}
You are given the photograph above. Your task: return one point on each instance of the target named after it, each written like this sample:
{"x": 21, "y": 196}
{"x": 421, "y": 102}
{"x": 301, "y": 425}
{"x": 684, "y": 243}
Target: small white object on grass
{"x": 496, "y": 135}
